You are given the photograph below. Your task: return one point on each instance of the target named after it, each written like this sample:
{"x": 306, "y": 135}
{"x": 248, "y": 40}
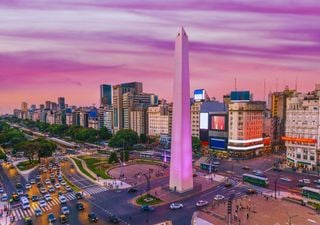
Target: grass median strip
{"x": 97, "y": 166}
{"x": 74, "y": 187}
{"x": 148, "y": 199}
{"x": 83, "y": 170}
{"x": 26, "y": 165}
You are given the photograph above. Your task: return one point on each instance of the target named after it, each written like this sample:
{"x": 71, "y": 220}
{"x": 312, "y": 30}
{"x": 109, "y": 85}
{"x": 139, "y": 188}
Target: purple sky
{"x": 68, "y": 48}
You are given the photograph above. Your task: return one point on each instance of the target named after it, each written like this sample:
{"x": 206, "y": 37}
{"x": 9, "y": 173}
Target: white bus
{"x": 25, "y": 203}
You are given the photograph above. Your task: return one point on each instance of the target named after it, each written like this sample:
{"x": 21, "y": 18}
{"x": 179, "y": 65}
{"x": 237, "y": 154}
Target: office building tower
{"x": 105, "y": 95}
{"x": 61, "y": 103}
{"x": 302, "y": 134}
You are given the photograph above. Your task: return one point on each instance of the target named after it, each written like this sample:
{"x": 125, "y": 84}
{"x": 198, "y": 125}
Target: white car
{"x": 57, "y": 185}
{"x": 201, "y": 203}
{"x": 285, "y": 179}
{"x": 216, "y": 163}
{"x": 63, "y": 183}
{"x": 218, "y": 197}
{"x": 62, "y": 199}
{"x": 32, "y": 181}
{"x": 176, "y": 205}
{"x": 50, "y": 188}
{"x": 317, "y": 181}
{"x": 47, "y": 181}
{"x": 65, "y": 210}
{"x": 28, "y": 186}
{"x": 305, "y": 181}
{"x": 42, "y": 203}
{"x": 43, "y": 190}
{"x": 47, "y": 197}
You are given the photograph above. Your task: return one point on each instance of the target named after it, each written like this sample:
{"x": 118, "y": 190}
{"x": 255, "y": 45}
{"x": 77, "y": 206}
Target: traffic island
{"x": 148, "y": 199}
{"x": 24, "y": 167}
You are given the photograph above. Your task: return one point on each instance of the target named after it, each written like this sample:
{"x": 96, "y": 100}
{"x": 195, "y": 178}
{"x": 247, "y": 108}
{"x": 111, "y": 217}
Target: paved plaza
{"x": 134, "y": 174}
{"x": 259, "y": 210}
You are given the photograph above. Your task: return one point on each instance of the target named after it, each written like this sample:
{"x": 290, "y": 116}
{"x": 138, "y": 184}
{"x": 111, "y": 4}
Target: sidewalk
{"x": 4, "y": 219}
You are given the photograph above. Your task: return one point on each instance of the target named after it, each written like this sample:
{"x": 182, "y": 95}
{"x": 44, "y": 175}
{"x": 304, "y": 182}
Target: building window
{"x": 298, "y": 156}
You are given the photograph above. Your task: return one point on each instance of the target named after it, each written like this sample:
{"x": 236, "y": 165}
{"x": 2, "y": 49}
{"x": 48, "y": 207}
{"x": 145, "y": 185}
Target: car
{"x": 54, "y": 168}
{"x": 51, "y": 189}
{"x": 28, "y": 221}
{"x": 78, "y": 195}
{"x": 38, "y": 177}
{"x": 132, "y": 190}
{"x": 277, "y": 169}
{"x": 60, "y": 193}
{"x": 176, "y": 205}
{"x": 228, "y": 184}
{"x": 53, "y": 181}
{"x": 285, "y": 179}
{"x": 57, "y": 186}
{"x": 63, "y": 183}
{"x": 45, "y": 170}
{"x": 4, "y": 197}
{"x": 1, "y": 190}
{"x": 15, "y": 197}
{"x": 18, "y": 185}
{"x": 47, "y": 181}
{"x": 32, "y": 181}
{"x": 92, "y": 217}
{"x": 216, "y": 163}
{"x": 62, "y": 199}
{"x": 218, "y": 197}
{"x": 79, "y": 206}
{"x": 114, "y": 219}
{"x": 63, "y": 218}
{"x": 51, "y": 175}
{"x": 317, "y": 181}
{"x": 305, "y": 181}
{"x": 147, "y": 208}
{"x": 39, "y": 184}
{"x": 65, "y": 210}
{"x": 42, "y": 203}
{"x": 28, "y": 186}
{"x": 51, "y": 218}
{"x": 246, "y": 168}
{"x": 20, "y": 192}
{"x": 68, "y": 188}
{"x": 251, "y": 191}
{"x": 35, "y": 198}
{"x": 43, "y": 190}
{"x": 202, "y": 203}
{"x": 59, "y": 178}
{"x": 37, "y": 212}
{"x": 47, "y": 197}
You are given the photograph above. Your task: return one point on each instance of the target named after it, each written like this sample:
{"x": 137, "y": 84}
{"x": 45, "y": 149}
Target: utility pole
{"x": 229, "y": 210}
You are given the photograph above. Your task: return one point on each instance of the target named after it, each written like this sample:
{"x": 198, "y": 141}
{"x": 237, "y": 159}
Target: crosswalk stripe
{"x": 16, "y": 214}
{"x": 56, "y": 201}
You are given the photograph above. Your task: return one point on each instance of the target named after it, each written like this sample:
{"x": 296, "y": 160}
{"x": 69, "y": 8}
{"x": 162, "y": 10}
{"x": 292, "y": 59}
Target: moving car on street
{"x": 37, "y": 212}
{"x": 114, "y": 219}
{"x": 147, "y": 208}
{"x": 92, "y": 217}
{"x": 218, "y": 197}
{"x": 202, "y": 203}
{"x": 65, "y": 210}
{"x": 79, "y": 206}
{"x": 176, "y": 205}
{"x": 63, "y": 219}
{"x": 285, "y": 179}
{"x": 51, "y": 218}
{"x": 62, "y": 199}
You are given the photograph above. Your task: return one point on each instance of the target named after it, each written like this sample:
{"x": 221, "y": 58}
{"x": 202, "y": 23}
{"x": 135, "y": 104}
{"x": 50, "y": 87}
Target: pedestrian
{"x": 247, "y": 215}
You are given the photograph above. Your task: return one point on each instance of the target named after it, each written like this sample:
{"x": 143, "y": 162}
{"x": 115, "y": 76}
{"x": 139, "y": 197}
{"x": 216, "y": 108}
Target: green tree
{"x": 196, "y": 144}
{"x": 104, "y": 134}
{"x": 30, "y": 150}
{"x": 113, "y": 158}
{"x": 124, "y": 156}
{"x": 125, "y": 137}
{"x": 143, "y": 138}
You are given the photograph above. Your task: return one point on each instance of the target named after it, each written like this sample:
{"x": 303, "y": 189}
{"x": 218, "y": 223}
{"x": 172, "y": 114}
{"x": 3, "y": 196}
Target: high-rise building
{"x": 61, "y": 103}
{"x": 195, "y": 119}
{"x": 24, "y": 110}
{"x": 302, "y": 134}
{"x": 138, "y": 120}
{"x": 41, "y": 107}
{"x": 106, "y": 118}
{"x": 84, "y": 118}
{"x": 159, "y": 120}
{"x": 125, "y": 97}
{"x": 278, "y": 104}
{"x": 181, "y": 178}
{"x": 54, "y": 106}
{"x": 48, "y": 105}
{"x": 245, "y": 127}
{"x": 105, "y": 95}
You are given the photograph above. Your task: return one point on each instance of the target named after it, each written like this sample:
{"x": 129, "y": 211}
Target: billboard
{"x": 199, "y": 94}
{"x": 218, "y": 122}
{"x": 218, "y": 143}
{"x": 204, "y": 121}
{"x": 240, "y": 96}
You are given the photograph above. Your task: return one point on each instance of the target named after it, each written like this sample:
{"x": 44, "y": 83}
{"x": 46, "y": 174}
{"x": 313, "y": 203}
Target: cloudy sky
{"x": 68, "y": 48}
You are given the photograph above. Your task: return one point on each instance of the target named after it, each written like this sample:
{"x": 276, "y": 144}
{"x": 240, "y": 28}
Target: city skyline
{"x": 43, "y": 58}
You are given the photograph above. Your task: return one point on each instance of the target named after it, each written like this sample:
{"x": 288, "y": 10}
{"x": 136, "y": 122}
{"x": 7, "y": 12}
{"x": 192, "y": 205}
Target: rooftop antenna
{"x": 296, "y": 84}
{"x": 277, "y": 85}
{"x": 264, "y": 90}
{"x": 235, "y": 83}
